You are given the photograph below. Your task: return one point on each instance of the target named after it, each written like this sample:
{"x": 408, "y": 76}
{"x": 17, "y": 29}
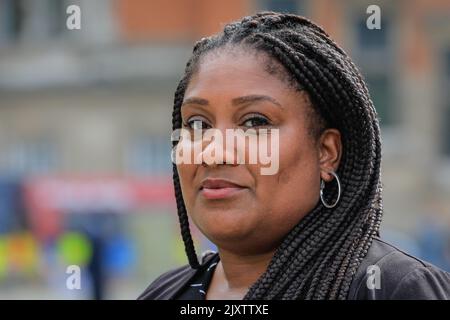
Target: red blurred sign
{"x": 46, "y": 198}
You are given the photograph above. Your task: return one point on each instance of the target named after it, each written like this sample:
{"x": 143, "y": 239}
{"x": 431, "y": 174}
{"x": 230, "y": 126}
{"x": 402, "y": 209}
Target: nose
{"x": 216, "y": 150}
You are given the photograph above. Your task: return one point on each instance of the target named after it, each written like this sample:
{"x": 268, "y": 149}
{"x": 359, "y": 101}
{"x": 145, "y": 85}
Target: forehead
{"x": 222, "y": 76}
{"x": 229, "y": 70}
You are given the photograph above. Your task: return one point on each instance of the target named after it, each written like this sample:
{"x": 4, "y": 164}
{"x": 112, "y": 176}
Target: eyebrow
{"x": 236, "y": 101}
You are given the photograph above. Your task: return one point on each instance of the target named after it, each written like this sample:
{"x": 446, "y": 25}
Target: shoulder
{"x": 390, "y": 273}
{"x": 169, "y": 283}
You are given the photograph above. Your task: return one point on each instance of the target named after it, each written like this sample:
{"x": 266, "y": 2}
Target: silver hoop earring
{"x": 322, "y": 186}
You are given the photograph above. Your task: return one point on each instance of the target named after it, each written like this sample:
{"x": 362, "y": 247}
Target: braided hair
{"x": 318, "y": 258}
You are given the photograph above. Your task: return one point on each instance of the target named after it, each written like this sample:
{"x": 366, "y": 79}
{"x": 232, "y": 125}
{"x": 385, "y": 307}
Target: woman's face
{"x": 257, "y": 211}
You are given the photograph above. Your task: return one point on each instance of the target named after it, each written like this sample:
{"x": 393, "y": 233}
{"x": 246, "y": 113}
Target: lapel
{"x": 169, "y": 285}
{"x": 191, "y": 273}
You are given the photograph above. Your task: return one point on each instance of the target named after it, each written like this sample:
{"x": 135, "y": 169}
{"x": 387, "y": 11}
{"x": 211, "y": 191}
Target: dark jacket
{"x": 402, "y": 276}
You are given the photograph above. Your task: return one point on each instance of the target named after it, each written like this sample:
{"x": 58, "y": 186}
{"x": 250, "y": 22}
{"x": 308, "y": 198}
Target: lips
{"x": 218, "y": 184}
{"x": 220, "y": 188}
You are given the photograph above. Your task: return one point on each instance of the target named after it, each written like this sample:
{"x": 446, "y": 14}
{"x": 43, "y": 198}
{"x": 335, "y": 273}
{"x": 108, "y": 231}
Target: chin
{"x": 221, "y": 237}
{"x": 226, "y": 226}
{"x": 240, "y": 242}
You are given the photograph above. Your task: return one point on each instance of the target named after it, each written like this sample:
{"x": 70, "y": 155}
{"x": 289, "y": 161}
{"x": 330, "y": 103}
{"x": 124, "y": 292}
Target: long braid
{"x": 182, "y": 214}
{"x": 320, "y": 255}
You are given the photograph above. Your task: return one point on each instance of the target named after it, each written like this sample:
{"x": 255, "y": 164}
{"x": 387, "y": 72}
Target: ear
{"x": 330, "y": 152}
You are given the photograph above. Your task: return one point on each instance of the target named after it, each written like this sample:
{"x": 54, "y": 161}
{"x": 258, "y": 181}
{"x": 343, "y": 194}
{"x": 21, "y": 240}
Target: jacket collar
{"x": 169, "y": 285}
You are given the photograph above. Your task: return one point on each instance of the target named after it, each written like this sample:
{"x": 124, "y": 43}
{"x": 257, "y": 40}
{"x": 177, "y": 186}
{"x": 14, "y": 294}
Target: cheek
{"x": 294, "y": 190}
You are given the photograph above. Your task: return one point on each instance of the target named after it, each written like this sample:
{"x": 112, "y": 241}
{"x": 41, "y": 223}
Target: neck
{"x": 241, "y": 271}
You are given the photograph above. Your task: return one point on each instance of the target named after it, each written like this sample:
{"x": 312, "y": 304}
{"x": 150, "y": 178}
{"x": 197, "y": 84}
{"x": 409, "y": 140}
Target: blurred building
{"x": 97, "y": 102}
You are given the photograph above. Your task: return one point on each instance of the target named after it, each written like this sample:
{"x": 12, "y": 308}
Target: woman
{"x": 309, "y": 231}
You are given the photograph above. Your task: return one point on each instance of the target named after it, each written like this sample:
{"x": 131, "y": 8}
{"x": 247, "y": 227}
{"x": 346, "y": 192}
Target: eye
{"x": 256, "y": 121}
{"x": 196, "y": 124}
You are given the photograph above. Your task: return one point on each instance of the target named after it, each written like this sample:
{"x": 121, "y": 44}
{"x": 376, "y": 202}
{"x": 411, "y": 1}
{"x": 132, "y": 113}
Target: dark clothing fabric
{"x": 401, "y": 277}
{"x": 198, "y": 285}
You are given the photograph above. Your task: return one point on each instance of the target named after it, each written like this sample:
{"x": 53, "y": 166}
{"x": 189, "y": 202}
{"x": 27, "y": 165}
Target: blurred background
{"x": 85, "y": 123}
